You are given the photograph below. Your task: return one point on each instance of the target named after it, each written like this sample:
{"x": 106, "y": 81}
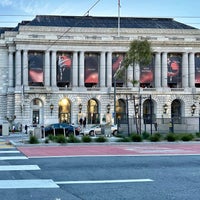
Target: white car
{"x": 99, "y": 129}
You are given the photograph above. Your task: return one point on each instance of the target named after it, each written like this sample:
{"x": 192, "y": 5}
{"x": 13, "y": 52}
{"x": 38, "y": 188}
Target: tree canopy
{"x": 139, "y": 53}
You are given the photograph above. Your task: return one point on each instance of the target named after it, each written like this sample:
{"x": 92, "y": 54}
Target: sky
{"x": 14, "y": 11}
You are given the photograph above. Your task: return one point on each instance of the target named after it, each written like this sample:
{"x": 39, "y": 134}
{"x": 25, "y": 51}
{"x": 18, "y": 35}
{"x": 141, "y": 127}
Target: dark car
{"x": 62, "y": 129}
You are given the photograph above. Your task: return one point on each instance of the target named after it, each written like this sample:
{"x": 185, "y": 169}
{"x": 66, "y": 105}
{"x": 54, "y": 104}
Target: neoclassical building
{"x": 61, "y": 68}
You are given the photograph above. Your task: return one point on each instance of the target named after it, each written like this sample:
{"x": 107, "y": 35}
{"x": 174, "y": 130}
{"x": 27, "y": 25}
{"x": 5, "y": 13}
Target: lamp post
{"x": 51, "y": 108}
{"x": 193, "y": 108}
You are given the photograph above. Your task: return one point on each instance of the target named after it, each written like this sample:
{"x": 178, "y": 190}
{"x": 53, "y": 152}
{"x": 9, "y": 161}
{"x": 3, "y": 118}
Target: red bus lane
{"x": 112, "y": 150}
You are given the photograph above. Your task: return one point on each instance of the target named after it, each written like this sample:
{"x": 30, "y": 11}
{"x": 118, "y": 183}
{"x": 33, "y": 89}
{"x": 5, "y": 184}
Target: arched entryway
{"x": 93, "y": 115}
{"x": 148, "y": 112}
{"x": 37, "y": 111}
{"x": 121, "y": 110}
{"x": 64, "y": 110}
{"x": 176, "y": 111}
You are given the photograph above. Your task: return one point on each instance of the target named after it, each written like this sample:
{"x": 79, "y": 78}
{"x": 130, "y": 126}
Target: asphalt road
{"x": 99, "y": 178}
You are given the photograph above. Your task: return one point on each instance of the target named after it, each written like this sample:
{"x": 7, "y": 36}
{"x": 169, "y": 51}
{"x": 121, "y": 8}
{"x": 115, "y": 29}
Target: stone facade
{"x": 31, "y": 103}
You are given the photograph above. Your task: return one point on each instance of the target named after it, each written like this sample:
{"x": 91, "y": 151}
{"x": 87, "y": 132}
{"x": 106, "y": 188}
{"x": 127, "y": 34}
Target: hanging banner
{"x": 117, "y": 59}
{"x": 197, "y": 68}
{"x": 64, "y": 65}
{"x": 92, "y": 68}
{"x": 147, "y": 74}
{"x": 174, "y": 64}
{"x": 35, "y": 68}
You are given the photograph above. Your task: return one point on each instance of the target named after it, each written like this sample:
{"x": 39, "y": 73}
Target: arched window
{"x": 176, "y": 111}
{"x": 121, "y": 110}
{"x": 65, "y": 110}
{"x": 92, "y": 110}
{"x": 148, "y": 111}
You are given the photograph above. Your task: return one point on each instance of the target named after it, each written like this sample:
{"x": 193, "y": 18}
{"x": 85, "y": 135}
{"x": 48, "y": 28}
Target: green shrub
{"x": 46, "y": 141}
{"x": 198, "y": 134}
{"x": 86, "y": 138}
{"x": 124, "y": 139}
{"x": 186, "y": 137}
{"x": 33, "y": 140}
{"x": 61, "y": 139}
{"x": 155, "y": 137}
{"x": 145, "y": 135}
{"x": 52, "y": 137}
{"x": 136, "y": 138}
{"x": 73, "y": 139}
{"x": 100, "y": 139}
{"x": 171, "y": 137}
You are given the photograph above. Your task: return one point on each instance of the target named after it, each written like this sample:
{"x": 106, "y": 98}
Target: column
{"x": 130, "y": 76}
{"x": 157, "y": 70}
{"x": 47, "y": 69}
{"x": 102, "y": 69}
{"x": 53, "y": 69}
{"x": 18, "y": 74}
{"x": 185, "y": 70}
{"x": 164, "y": 69}
{"x": 25, "y": 68}
{"x": 137, "y": 74}
{"x": 10, "y": 67}
{"x": 75, "y": 70}
{"x": 81, "y": 69}
{"x": 191, "y": 70}
{"x": 109, "y": 69}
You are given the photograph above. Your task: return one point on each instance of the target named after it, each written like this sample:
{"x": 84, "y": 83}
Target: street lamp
{"x": 165, "y": 107}
{"x": 80, "y": 107}
{"x": 108, "y": 108}
{"x": 51, "y": 108}
{"x": 193, "y": 108}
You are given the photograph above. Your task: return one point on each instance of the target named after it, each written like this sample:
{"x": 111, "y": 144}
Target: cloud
{"x": 5, "y": 3}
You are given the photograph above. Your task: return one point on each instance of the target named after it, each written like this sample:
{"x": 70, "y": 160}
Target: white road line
{"x": 9, "y": 151}
{"x": 18, "y": 167}
{"x": 13, "y": 158}
{"x": 20, "y": 184}
{"x": 104, "y": 181}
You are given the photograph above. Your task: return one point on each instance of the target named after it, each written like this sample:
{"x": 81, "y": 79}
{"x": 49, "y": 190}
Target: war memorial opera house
{"x": 60, "y": 68}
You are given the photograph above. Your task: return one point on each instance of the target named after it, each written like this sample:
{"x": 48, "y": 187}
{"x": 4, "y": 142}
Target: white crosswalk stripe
{"x": 7, "y": 154}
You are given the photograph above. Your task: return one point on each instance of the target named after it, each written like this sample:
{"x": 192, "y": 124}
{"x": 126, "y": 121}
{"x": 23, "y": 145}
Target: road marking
{"x": 18, "y": 167}
{"x": 34, "y": 183}
{"x": 13, "y": 158}
{"x": 9, "y": 151}
{"x": 104, "y": 181}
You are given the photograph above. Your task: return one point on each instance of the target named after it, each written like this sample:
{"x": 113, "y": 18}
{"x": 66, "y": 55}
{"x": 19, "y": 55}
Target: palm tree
{"x": 139, "y": 53}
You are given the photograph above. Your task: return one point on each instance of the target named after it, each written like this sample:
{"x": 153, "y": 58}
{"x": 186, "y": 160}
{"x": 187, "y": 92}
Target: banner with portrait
{"x": 64, "y": 66}
{"x": 92, "y": 63}
{"x": 36, "y": 68}
{"x": 117, "y": 59}
{"x": 197, "y": 68}
{"x": 174, "y": 65}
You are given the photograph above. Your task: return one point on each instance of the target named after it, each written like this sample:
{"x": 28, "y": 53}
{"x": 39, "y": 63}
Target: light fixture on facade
{"x": 51, "y": 108}
{"x": 165, "y": 107}
{"x": 193, "y": 108}
{"x": 136, "y": 108}
{"x": 108, "y": 108}
{"x": 80, "y": 107}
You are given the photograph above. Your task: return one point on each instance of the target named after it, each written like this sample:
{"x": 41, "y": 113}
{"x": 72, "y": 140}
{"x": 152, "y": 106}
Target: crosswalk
{"x": 8, "y": 154}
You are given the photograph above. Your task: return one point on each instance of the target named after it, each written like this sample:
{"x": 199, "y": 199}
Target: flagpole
{"x": 119, "y": 6}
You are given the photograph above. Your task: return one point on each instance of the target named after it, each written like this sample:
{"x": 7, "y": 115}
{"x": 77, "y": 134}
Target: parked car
{"x": 99, "y": 129}
{"x": 62, "y": 128}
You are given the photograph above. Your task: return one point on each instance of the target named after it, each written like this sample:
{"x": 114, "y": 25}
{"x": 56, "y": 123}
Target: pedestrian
{"x": 81, "y": 121}
{"x": 26, "y": 128}
{"x": 84, "y": 122}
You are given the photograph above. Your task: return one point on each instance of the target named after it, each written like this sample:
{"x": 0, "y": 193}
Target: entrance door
{"x": 36, "y": 117}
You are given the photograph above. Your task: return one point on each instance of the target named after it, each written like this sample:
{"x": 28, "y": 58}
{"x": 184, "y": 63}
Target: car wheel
{"x": 91, "y": 133}
{"x": 115, "y": 132}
